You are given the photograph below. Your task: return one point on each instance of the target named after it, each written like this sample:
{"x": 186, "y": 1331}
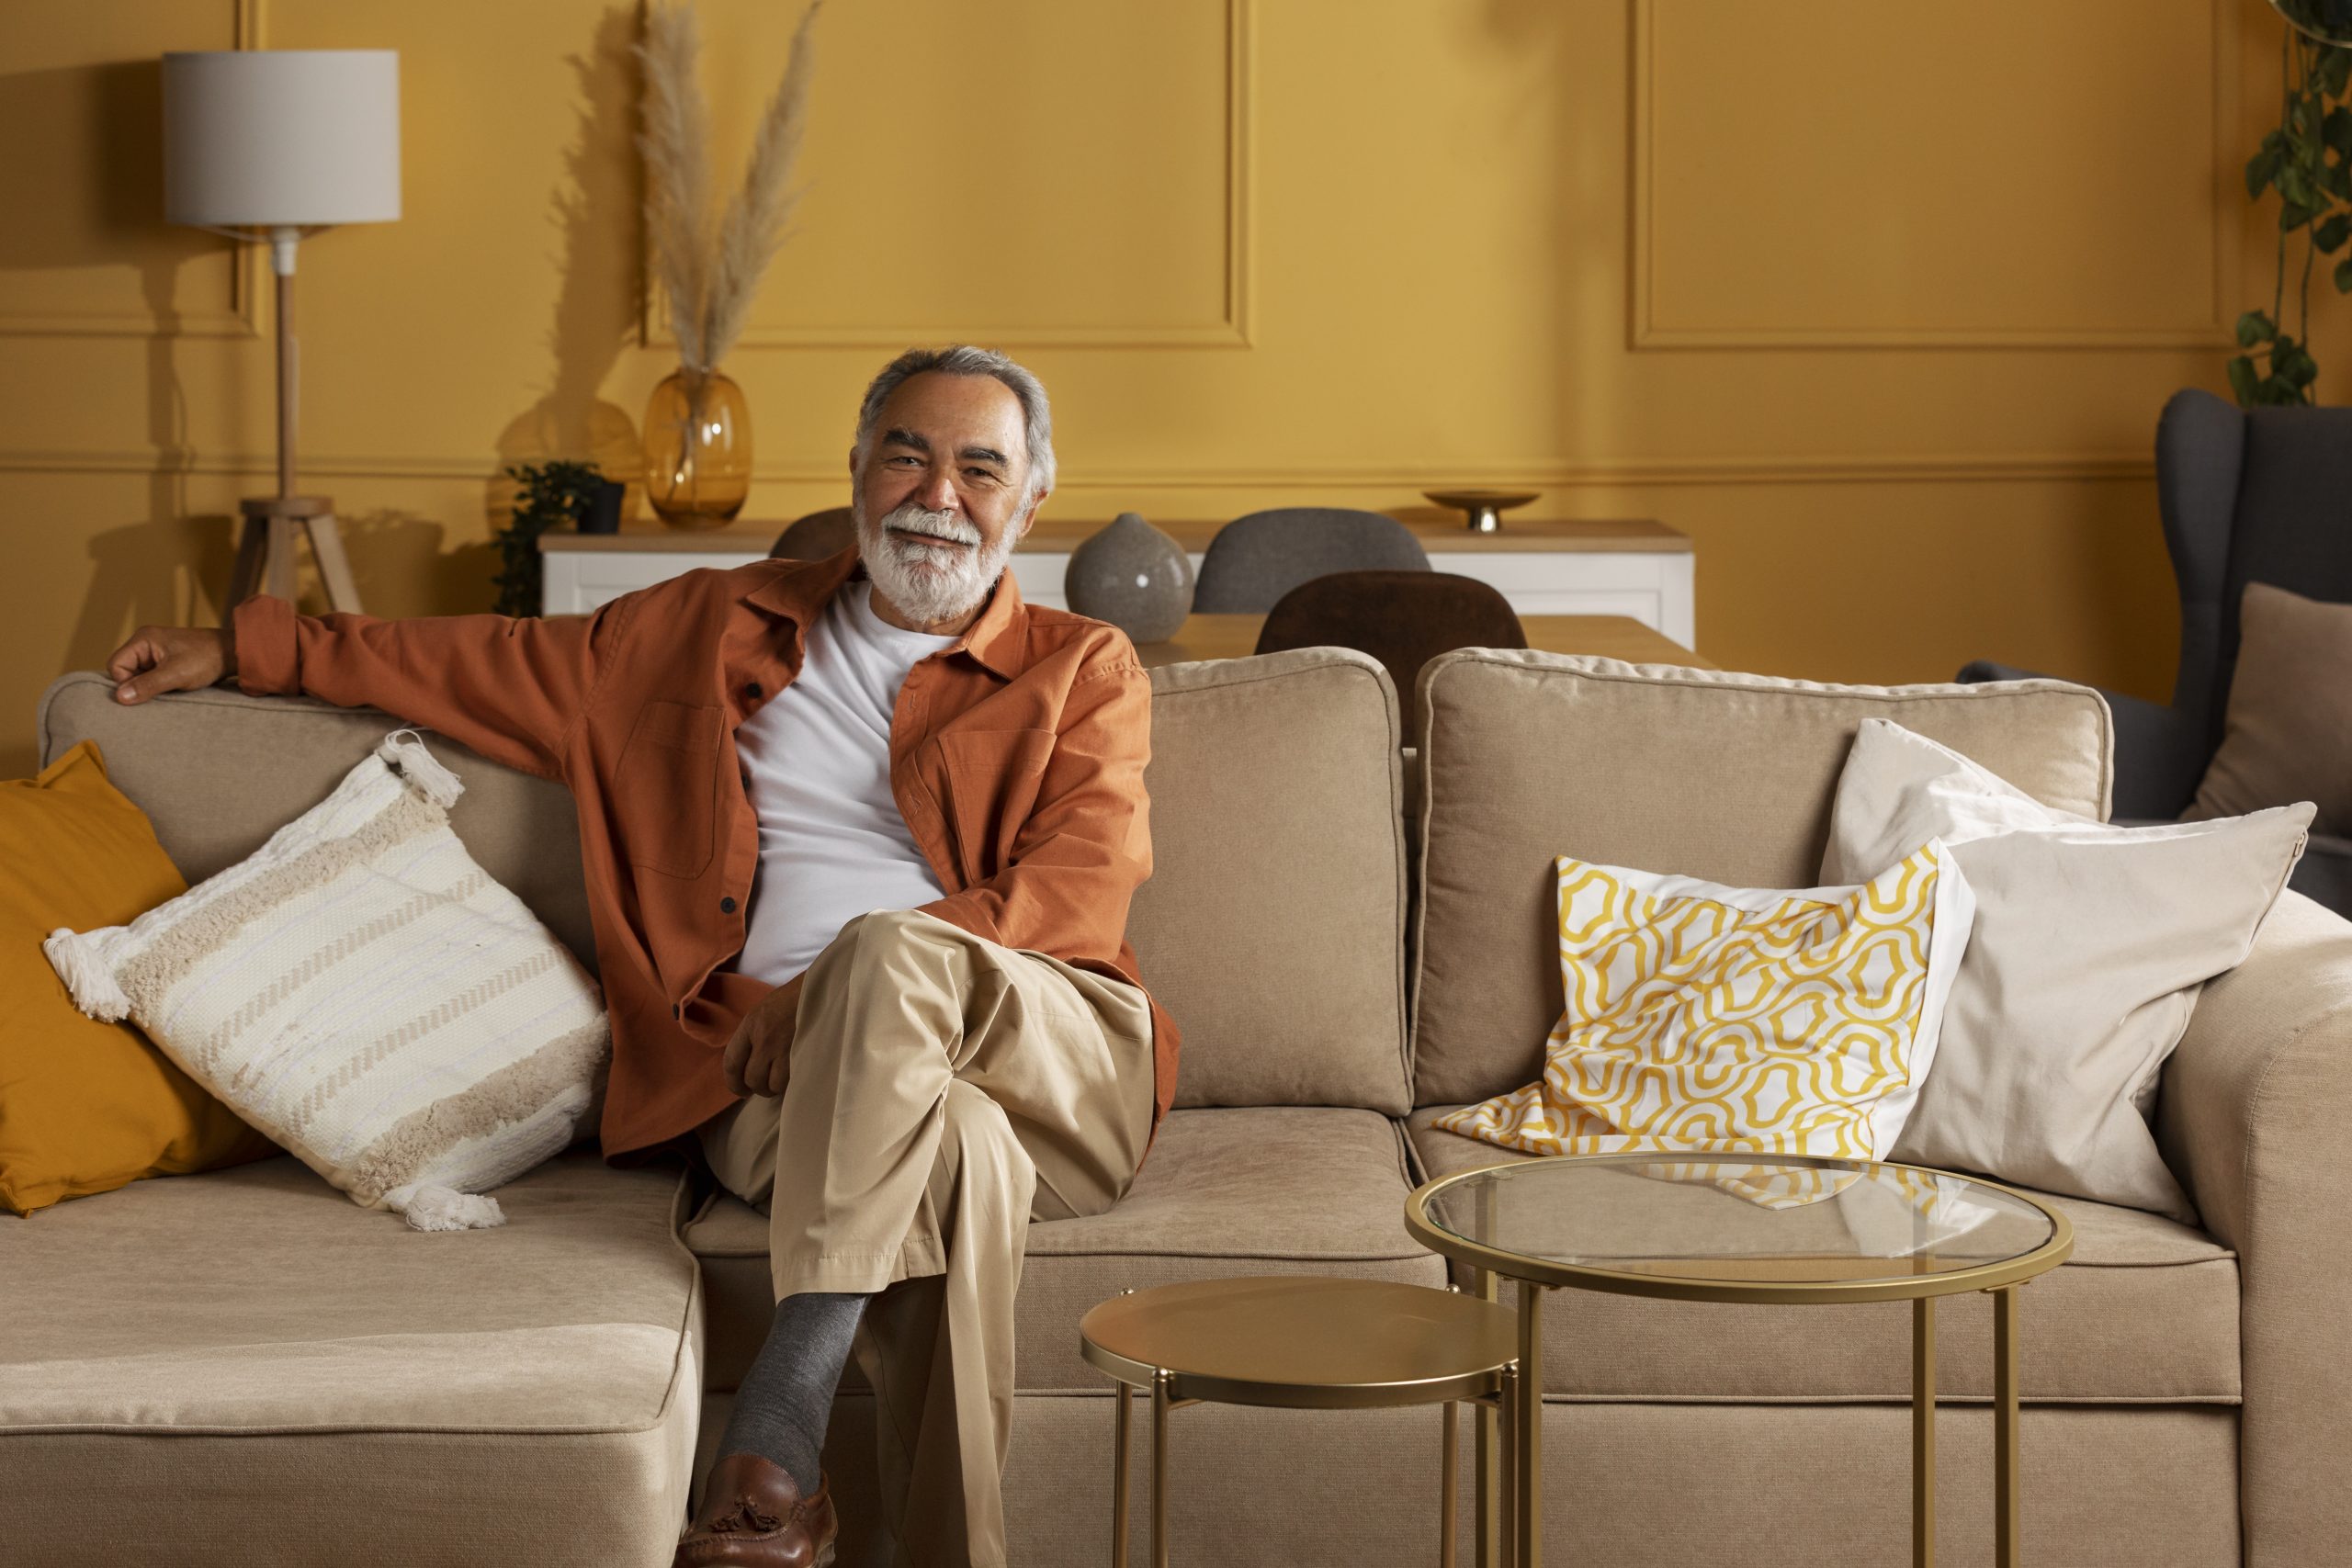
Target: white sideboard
{"x": 1640, "y": 570}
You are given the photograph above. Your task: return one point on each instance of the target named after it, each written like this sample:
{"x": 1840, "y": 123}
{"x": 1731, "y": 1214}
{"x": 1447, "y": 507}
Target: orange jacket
{"x": 1017, "y": 758}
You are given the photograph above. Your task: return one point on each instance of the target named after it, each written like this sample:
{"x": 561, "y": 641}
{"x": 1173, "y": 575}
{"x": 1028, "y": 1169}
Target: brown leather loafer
{"x": 753, "y": 1516}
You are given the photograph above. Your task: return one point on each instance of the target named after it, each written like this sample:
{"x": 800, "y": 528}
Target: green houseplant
{"x": 2308, "y": 161}
{"x": 548, "y": 495}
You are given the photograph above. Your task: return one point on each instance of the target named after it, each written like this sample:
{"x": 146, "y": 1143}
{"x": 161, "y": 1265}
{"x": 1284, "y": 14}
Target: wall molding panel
{"x": 1232, "y": 328}
{"x": 1536, "y": 473}
{"x": 1660, "y": 319}
{"x": 238, "y": 316}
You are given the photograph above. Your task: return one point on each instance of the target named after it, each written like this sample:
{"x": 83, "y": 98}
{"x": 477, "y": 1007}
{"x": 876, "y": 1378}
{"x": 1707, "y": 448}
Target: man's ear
{"x": 853, "y": 463}
{"x": 1030, "y": 521}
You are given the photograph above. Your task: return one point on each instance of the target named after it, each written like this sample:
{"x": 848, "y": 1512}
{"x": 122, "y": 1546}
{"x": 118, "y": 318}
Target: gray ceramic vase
{"x": 1133, "y": 576}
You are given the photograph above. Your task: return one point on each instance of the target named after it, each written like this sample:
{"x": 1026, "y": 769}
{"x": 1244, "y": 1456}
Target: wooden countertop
{"x": 1610, "y": 637}
{"x": 1054, "y": 535}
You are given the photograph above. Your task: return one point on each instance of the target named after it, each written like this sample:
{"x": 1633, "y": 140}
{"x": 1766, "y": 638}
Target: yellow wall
{"x": 1878, "y": 302}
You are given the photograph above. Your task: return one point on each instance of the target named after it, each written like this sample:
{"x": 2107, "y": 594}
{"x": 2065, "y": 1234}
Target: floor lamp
{"x": 274, "y": 145}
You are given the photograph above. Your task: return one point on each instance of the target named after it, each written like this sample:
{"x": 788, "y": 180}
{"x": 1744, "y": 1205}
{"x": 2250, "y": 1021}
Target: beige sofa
{"x": 242, "y": 1367}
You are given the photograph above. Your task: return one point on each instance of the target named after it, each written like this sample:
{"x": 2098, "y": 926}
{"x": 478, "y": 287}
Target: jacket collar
{"x": 802, "y": 589}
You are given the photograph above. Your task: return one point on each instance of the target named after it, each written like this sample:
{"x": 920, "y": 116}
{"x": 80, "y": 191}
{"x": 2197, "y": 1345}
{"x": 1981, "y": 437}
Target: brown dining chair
{"x": 817, "y": 536}
{"x": 1402, "y": 618}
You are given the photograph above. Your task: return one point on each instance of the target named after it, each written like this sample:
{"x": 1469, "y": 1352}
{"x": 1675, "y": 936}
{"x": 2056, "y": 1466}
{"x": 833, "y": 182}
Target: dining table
{"x": 1610, "y": 637}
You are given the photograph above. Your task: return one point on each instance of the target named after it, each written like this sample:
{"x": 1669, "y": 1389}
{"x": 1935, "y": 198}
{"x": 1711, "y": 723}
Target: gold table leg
{"x": 1488, "y": 1476}
{"x": 1527, "y": 1440}
{"x": 1506, "y": 1497}
{"x": 1120, "y": 1425}
{"x": 1160, "y": 1379}
{"x": 2005, "y": 1427}
{"x": 1449, "y": 1481}
{"x": 1922, "y": 1432}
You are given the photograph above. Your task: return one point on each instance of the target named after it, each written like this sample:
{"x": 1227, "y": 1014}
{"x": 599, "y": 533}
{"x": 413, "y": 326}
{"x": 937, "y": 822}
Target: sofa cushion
{"x": 1273, "y": 927}
{"x": 1274, "y": 1189}
{"x": 1728, "y": 778}
{"x": 437, "y": 1385}
{"x": 218, "y": 773}
{"x": 2145, "y": 1312}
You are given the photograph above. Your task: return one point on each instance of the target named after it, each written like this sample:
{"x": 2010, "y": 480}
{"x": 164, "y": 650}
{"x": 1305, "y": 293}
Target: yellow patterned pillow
{"x": 1729, "y": 1019}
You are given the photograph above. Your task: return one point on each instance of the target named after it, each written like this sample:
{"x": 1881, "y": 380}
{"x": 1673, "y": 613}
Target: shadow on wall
{"x": 595, "y": 216}
{"x": 399, "y": 566}
{"x": 168, "y": 567}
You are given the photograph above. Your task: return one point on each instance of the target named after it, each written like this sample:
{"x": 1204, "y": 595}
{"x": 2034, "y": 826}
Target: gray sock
{"x": 782, "y": 1406}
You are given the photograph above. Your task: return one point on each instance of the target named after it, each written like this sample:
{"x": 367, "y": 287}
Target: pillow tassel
{"x": 432, "y": 1208}
{"x": 88, "y": 976}
{"x": 404, "y": 750}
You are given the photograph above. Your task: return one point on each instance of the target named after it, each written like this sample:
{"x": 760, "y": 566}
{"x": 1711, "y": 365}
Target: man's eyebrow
{"x": 905, "y": 438}
{"x": 985, "y": 454}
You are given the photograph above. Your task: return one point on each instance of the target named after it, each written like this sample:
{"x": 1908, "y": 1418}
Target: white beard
{"x": 930, "y": 583}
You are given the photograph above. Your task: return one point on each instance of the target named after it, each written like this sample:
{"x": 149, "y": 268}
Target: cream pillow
{"x": 1736, "y": 1019}
{"x": 2091, "y": 944}
{"x": 365, "y": 995}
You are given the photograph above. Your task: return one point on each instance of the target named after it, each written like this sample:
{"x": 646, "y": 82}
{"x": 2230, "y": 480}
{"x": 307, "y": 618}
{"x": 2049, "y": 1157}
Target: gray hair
{"x": 1038, "y": 415}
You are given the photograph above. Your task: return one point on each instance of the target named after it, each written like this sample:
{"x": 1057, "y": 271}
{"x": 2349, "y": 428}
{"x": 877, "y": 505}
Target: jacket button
{"x": 751, "y": 690}
{"x": 727, "y": 906}
{"x": 677, "y": 1010}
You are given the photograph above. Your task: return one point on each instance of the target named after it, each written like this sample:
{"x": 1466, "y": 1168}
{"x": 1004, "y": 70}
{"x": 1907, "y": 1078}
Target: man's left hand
{"x": 759, "y": 1058}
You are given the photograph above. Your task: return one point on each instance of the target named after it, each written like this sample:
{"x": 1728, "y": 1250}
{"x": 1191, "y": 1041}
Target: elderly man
{"x": 859, "y": 837}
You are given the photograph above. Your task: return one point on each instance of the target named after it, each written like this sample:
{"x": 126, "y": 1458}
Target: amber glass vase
{"x": 698, "y": 449}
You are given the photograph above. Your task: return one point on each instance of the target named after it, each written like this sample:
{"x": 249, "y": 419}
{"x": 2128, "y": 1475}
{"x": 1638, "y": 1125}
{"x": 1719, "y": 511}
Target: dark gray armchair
{"x": 2258, "y": 495}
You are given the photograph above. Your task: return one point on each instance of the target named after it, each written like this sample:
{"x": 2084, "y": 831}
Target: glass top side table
{"x": 1764, "y": 1228}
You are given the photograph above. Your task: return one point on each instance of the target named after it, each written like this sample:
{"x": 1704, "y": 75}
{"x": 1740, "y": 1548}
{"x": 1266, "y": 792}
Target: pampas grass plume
{"x": 710, "y": 279}
{"x": 754, "y": 227}
{"x": 676, "y": 145}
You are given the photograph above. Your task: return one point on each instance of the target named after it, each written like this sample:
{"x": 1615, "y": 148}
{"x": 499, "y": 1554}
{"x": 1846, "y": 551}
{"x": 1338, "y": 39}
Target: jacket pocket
{"x": 665, "y": 790}
{"x": 992, "y": 778}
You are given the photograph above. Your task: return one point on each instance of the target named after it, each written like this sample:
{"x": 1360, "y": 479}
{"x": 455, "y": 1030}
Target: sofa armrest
{"x": 2256, "y": 1116}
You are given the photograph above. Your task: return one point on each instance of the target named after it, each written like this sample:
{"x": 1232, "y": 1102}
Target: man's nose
{"x": 937, "y": 492}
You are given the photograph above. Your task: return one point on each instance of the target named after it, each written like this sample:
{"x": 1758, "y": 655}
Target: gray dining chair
{"x": 817, "y": 536}
{"x": 1254, "y": 560}
{"x": 2247, "y": 495}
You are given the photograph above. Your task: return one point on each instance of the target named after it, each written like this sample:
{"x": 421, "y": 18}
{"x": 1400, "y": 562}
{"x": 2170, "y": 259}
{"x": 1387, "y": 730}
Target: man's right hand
{"x": 170, "y": 659}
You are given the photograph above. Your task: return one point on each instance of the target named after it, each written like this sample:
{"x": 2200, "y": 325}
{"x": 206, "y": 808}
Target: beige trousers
{"x": 943, "y": 1092}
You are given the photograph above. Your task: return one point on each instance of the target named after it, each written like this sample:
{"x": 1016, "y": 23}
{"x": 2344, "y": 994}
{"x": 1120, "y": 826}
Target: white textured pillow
{"x": 362, "y": 992}
{"x": 2090, "y": 946}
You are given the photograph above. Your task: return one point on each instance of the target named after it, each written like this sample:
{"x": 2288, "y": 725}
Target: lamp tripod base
{"x": 266, "y": 549}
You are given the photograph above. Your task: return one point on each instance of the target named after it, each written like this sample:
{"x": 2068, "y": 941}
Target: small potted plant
{"x": 548, "y": 495}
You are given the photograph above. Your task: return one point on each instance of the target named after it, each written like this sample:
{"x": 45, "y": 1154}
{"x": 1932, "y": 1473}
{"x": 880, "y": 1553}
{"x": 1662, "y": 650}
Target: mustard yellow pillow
{"x": 1734, "y": 1019}
{"x": 86, "y": 1107}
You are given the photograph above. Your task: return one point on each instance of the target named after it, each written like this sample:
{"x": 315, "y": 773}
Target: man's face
{"x": 943, "y": 494}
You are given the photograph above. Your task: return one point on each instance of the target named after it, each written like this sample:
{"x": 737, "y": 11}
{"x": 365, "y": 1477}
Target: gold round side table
{"x": 1296, "y": 1343}
{"x": 1785, "y": 1229}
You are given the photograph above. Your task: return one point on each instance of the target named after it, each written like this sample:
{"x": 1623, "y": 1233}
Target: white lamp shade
{"x": 276, "y": 137}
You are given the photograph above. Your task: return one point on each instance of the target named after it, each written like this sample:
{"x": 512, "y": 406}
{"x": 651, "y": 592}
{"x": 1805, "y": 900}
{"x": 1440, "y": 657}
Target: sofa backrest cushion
{"x": 1729, "y": 778}
{"x": 218, "y": 773}
{"x": 1273, "y": 927}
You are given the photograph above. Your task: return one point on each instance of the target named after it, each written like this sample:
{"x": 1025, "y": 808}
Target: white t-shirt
{"x": 832, "y": 843}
